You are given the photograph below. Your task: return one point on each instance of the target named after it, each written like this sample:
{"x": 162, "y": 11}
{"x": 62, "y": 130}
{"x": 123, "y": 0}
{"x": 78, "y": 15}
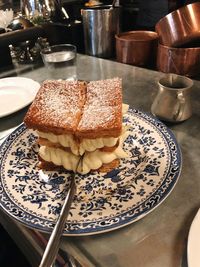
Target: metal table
{"x": 158, "y": 239}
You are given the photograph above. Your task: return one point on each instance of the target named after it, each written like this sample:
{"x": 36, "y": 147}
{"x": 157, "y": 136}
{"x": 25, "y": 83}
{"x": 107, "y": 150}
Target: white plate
{"x": 103, "y": 202}
{"x": 193, "y": 248}
{"x": 16, "y": 93}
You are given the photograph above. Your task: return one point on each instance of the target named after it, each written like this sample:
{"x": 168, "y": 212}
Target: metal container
{"x": 180, "y": 27}
{"x": 137, "y": 48}
{"x": 172, "y": 102}
{"x": 100, "y": 24}
{"x": 182, "y": 61}
{"x": 48, "y": 9}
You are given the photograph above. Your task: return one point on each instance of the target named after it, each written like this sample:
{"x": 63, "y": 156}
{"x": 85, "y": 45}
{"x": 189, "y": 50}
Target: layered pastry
{"x": 76, "y": 120}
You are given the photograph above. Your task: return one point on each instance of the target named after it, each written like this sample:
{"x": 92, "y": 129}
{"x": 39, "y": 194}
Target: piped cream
{"x": 91, "y": 160}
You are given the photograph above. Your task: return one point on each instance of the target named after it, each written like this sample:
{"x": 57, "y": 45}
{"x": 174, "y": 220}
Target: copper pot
{"x": 180, "y": 27}
{"x": 182, "y": 61}
{"x": 137, "y": 48}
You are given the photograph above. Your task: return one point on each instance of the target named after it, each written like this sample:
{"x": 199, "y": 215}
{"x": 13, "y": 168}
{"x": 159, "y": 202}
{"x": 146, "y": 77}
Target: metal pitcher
{"x": 172, "y": 102}
{"x": 100, "y": 24}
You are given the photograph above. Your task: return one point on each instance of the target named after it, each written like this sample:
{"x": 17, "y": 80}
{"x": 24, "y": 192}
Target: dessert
{"x": 76, "y": 119}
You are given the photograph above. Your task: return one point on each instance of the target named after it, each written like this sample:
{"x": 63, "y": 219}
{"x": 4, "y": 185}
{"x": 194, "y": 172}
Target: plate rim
{"x": 34, "y": 91}
{"x": 151, "y": 120}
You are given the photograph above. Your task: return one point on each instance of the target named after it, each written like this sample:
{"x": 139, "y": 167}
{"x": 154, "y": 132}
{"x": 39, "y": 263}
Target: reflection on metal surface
{"x": 138, "y": 48}
{"x": 46, "y": 9}
{"x": 172, "y": 102}
{"x": 181, "y": 27}
{"x": 182, "y": 61}
{"x": 100, "y": 24}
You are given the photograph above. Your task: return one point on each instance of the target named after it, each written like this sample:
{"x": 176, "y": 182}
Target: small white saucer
{"x": 16, "y": 93}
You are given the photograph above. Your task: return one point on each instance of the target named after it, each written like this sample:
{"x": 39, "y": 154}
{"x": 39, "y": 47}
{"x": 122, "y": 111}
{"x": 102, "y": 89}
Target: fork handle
{"x": 54, "y": 240}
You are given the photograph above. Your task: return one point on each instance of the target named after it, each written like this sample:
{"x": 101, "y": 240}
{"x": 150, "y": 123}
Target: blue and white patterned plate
{"x": 103, "y": 202}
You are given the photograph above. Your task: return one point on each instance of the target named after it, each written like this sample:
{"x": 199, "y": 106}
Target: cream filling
{"x": 91, "y": 160}
{"x": 125, "y": 108}
{"x": 67, "y": 140}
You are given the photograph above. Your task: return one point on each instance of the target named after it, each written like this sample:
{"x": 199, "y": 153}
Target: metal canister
{"x": 100, "y": 24}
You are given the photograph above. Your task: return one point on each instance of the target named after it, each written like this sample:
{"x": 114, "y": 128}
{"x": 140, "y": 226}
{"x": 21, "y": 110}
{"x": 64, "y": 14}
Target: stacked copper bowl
{"x": 138, "y": 48}
{"x": 179, "y": 41}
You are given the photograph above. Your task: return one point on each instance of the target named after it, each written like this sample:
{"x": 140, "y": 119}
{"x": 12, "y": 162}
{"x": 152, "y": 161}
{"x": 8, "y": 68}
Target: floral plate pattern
{"x": 103, "y": 201}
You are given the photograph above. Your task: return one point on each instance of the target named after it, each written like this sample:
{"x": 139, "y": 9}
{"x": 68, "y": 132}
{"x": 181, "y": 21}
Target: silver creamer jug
{"x": 172, "y": 102}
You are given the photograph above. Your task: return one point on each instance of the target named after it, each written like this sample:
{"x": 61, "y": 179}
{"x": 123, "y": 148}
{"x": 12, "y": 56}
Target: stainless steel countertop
{"x": 160, "y": 238}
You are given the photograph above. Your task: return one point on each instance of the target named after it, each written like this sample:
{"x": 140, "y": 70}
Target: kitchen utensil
{"x": 47, "y": 9}
{"x": 100, "y": 24}
{"x": 180, "y": 27}
{"x": 182, "y": 61}
{"x": 54, "y": 241}
{"x": 137, "y": 47}
{"x": 172, "y": 102}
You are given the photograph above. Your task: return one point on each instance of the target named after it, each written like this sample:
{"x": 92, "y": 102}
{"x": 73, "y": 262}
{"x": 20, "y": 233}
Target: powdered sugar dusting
{"x": 103, "y": 107}
{"x": 58, "y": 104}
{"x": 72, "y": 107}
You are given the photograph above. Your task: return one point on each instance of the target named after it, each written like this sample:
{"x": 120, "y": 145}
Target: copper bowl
{"x": 180, "y": 27}
{"x": 137, "y": 48}
{"x": 182, "y": 61}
